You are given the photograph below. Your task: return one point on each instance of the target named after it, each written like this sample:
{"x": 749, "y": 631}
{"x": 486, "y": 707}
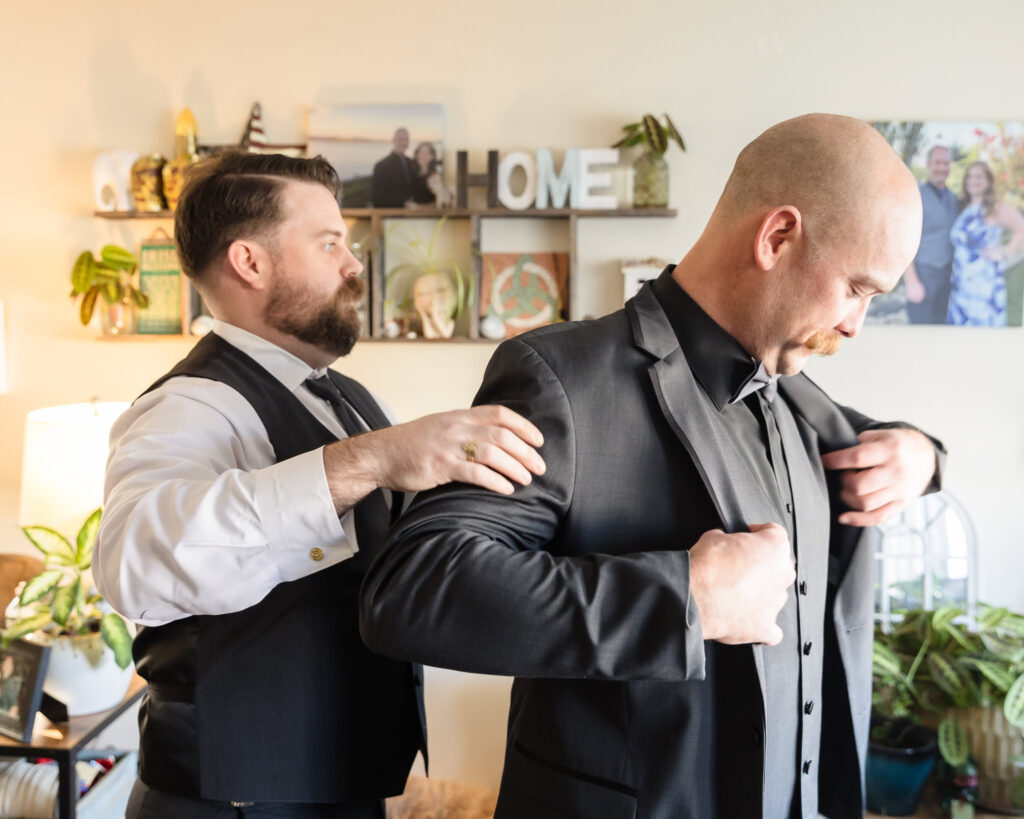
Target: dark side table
{"x": 74, "y": 735}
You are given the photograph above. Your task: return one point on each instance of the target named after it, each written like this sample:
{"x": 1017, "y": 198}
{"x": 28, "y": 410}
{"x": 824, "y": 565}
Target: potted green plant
{"x": 108, "y": 280}
{"x": 967, "y": 677}
{"x": 650, "y": 171}
{"x": 427, "y": 293}
{"x": 90, "y": 657}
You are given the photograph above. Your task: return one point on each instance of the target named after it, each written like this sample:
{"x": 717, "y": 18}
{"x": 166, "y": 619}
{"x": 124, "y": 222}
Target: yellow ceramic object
{"x": 185, "y": 154}
{"x": 147, "y": 183}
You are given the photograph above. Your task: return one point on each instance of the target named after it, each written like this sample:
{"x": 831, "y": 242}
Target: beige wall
{"x": 83, "y": 77}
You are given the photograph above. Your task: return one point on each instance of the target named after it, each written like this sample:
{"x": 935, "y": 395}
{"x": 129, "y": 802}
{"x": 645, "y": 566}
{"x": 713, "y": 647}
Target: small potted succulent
{"x": 108, "y": 283}
{"x": 650, "y": 171}
{"x": 90, "y": 658}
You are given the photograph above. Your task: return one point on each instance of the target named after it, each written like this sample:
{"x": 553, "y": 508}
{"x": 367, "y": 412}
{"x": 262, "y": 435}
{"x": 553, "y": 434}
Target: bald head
{"x": 818, "y": 216}
{"x": 837, "y": 171}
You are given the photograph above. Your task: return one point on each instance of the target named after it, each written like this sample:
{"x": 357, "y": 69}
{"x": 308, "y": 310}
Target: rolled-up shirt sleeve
{"x": 198, "y": 517}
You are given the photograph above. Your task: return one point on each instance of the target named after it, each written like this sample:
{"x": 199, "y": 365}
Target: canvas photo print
{"x": 387, "y": 156}
{"x": 969, "y": 268}
{"x": 521, "y": 291}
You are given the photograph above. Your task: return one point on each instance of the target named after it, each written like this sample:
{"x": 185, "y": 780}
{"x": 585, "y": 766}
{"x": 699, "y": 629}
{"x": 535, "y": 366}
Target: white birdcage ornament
{"x": 925, "y": 558}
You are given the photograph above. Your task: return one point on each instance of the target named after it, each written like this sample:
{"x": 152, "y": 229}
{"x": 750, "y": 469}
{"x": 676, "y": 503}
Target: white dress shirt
{"x": 198, "y": 518}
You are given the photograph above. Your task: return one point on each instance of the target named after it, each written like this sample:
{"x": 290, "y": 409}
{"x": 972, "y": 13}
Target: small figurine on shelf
{"x": 147, "y": 185}
{"x": 186, "y": 153}
{"x": 958, "y": 788}
{"x": 254, "y": 139}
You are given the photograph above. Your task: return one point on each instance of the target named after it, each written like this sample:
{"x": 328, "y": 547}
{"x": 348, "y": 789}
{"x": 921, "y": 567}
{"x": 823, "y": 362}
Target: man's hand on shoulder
{"x": 490, "y": 446}
{"x": 882, "y": 474}
{"x": 740, "y": 582}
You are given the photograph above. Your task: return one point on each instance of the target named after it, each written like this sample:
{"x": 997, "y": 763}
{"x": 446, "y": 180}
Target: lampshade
{"x": 64, "y": 461}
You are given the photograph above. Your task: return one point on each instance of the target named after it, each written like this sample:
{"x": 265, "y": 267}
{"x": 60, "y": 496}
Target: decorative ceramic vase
{"x": 83, "y": 675}
{"x": 650, "y": 181}
{"x": 117, "y": 319}
{"x": 994, "y": 743}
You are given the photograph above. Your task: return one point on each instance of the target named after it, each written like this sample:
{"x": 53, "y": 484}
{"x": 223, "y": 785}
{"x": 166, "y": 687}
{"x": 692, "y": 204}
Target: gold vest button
{"x": 316, "y": 553}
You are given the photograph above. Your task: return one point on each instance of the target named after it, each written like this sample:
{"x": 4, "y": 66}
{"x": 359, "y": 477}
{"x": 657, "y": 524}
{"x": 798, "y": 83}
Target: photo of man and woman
{"x": 387, "y": 156}
{"x": 969, "y": 268}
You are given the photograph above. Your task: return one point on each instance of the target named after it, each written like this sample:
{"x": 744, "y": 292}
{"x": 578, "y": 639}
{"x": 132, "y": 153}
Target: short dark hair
{"x": 233, "y": 195}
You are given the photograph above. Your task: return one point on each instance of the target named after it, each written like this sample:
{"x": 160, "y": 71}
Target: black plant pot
{"x": 896, "y": 775}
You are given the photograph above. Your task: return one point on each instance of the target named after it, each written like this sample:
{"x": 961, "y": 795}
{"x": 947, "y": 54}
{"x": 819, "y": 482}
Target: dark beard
{"x": 332, "y": 327}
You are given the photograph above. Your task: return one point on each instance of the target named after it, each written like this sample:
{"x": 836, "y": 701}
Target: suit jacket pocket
{"x": 535, "y": 788}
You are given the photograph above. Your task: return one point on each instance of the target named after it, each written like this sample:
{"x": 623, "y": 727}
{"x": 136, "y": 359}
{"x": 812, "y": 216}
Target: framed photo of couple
{"x": 969, "y": 268}
{"x": 22, "y": 672}
{"x": 387, "y": 156}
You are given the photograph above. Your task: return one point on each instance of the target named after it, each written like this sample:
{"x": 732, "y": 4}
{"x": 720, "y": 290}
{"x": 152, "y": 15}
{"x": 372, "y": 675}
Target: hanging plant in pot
{"x": 107, "y": 284}
{"x": 650, "y": 171}
{"x": 90, "y": 658}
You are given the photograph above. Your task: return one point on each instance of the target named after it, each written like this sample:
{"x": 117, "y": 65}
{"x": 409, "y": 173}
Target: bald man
{"x": 684, "y": 596}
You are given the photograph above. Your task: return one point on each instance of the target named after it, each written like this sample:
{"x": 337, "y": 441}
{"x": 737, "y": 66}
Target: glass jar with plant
{"x": 940, "y": 667}
{"x": 108, "y": 283}
{"x": 60, "y": 607}
{"x": 650, "y": 171}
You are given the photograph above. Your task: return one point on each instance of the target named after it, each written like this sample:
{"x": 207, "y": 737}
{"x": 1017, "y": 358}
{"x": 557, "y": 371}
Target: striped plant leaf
{"x": 944, "y": 615}
{"x": 85, "y": 309}
{"x": 87, "y": 539}
{"x": 118, "y": 258}
{"x": 115, "y": 634}
{"x": 990, "y": 617}
{"x": 26, "y": 625}
{"x": 656, "y": 138}
{"x": 63, "y": 602}
{"x": 999, "y": 675}
{"x": 949, "y": 675}
{"x": 51, "y": 543}
{"x": 885, "y": 661}
{"x": 952, "y": 742}
{"x": 1013, "y": 705}
{"x": 1007, "y": 647}
{"x": 39, "y": 585}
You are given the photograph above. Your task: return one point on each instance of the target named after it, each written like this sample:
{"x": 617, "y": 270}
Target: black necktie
{"x": 371, "y": 514}
{"x": 323, "y": 387}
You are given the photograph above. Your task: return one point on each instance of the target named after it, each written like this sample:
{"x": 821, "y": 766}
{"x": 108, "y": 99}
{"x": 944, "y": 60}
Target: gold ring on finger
{"x": 470, "y": 449}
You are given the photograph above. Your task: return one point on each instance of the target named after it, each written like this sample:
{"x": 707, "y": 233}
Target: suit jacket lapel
{"x": 737, "y": 495}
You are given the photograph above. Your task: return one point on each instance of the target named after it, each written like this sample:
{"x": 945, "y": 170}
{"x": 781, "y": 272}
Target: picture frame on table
{"x": 22, "y": 672}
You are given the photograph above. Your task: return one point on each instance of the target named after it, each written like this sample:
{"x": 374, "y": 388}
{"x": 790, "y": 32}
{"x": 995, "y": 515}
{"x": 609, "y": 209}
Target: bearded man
{"x": 246, "y": 490}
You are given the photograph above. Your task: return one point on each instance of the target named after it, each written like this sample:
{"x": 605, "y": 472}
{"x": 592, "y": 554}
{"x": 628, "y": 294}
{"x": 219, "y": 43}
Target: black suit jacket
{"x": 392, "y": 182}
{"x": 579, "y": 585}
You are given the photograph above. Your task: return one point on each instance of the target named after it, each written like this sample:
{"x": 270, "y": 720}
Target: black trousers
{"x": 146, "y": 803}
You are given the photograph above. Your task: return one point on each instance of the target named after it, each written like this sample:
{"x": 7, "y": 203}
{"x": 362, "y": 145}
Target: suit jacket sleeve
{"x": 472, "y": 580}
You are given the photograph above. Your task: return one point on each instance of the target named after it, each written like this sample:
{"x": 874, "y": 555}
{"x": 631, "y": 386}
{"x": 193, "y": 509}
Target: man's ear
{"x": 249, "y": 262}
{"x": 780, "y": 230}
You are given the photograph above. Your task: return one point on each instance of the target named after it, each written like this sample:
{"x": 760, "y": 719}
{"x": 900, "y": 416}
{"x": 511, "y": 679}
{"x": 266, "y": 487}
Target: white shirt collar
{"x": 285, "y": 367}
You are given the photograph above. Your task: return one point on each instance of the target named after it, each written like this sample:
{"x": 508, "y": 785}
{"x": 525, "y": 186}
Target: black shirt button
{"x": 803, "y": 587}
{"x": 808, "y": 706}
{"x": 807, "y": 649}
{"x": 807, "y": 766}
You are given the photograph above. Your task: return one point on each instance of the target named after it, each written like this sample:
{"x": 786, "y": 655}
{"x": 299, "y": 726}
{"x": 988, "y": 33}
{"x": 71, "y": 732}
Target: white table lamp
{"x": 64, "y": 460}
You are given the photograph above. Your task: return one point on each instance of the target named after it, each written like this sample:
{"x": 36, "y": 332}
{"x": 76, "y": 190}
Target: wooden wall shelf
{"x": 437, "y": 213}
{"x": 377, "y": 217}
